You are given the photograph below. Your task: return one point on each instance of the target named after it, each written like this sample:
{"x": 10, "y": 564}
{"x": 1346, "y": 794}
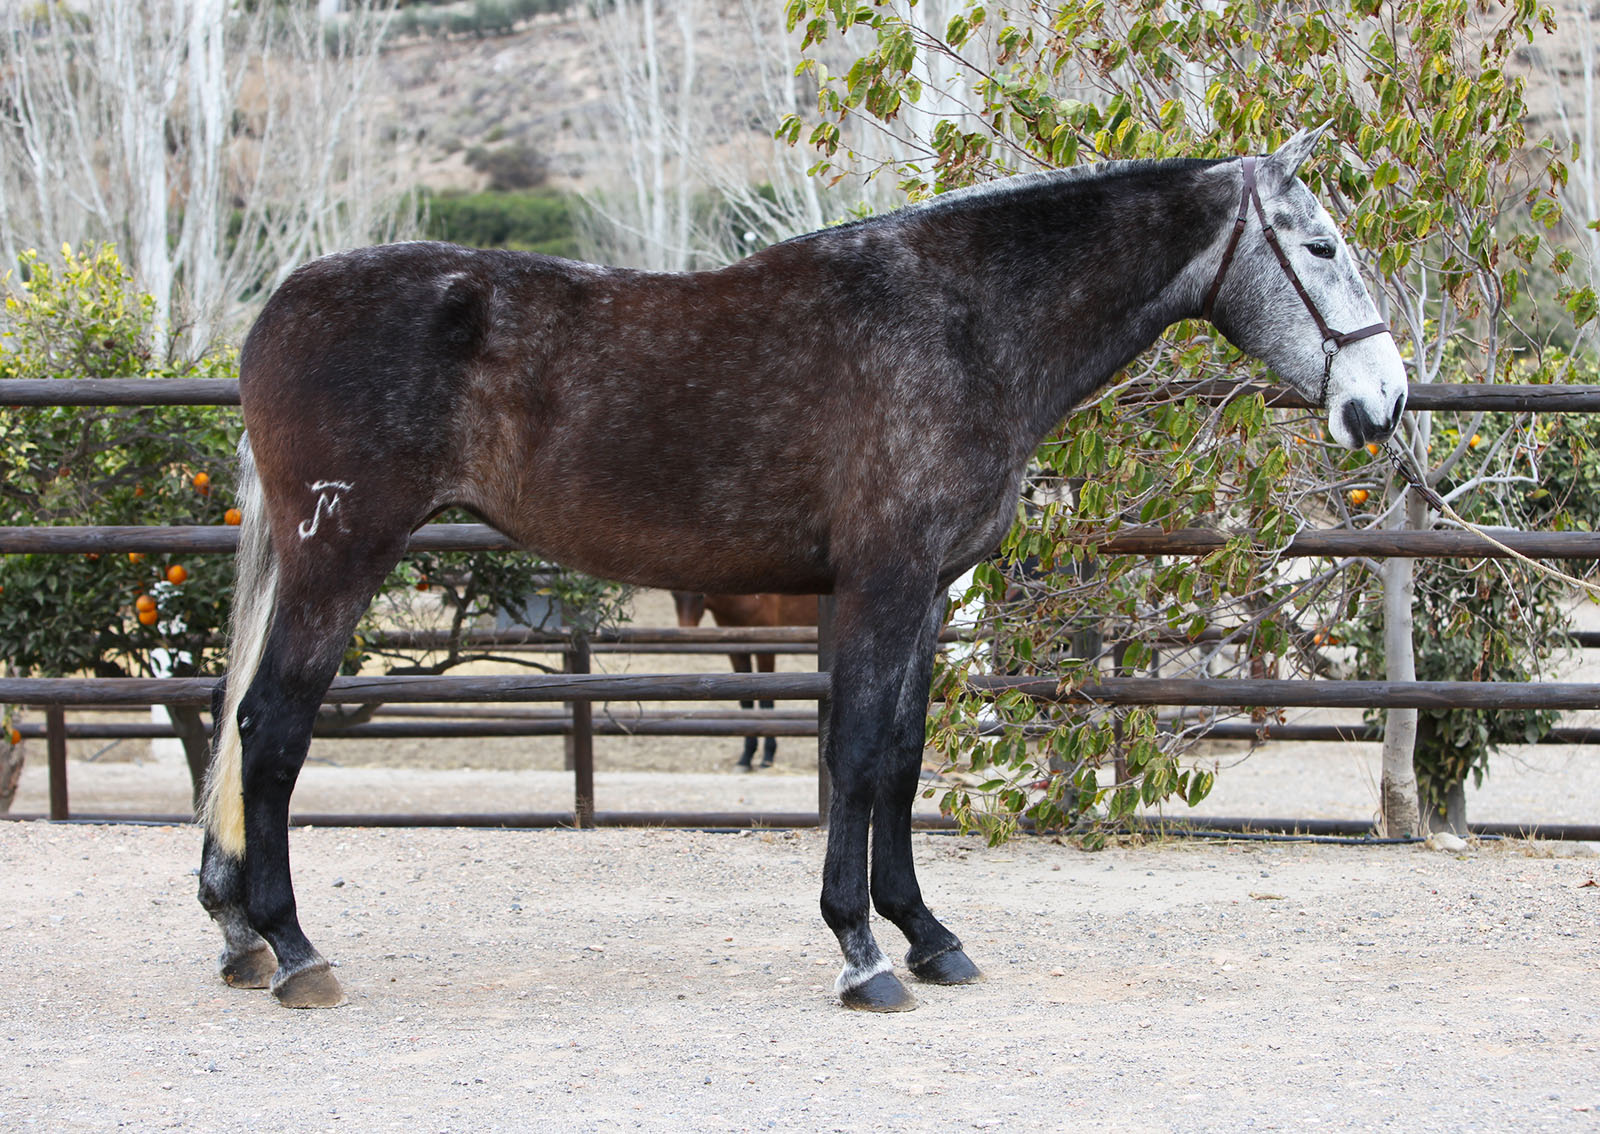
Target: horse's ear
{"x": 1279, "y": 167}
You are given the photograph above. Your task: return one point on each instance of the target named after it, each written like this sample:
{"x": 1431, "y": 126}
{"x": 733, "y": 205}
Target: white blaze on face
{"x": 1367, "y": 381}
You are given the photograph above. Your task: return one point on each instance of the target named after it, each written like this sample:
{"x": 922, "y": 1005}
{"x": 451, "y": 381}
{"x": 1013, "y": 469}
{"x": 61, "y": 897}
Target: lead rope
{"x": 1404, "y": 467}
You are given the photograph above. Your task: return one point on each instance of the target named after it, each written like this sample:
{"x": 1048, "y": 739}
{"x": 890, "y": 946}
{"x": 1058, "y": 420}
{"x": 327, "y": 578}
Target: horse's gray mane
{"x": 1017, "y": 182}
{"x": 1022, "y": 182}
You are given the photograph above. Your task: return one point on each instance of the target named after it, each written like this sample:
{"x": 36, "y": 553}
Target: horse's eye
{"x": 1322, "y": 249}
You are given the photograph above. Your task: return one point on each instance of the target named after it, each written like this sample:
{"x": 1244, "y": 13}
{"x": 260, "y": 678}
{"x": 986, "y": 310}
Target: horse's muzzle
{"x": 1363, "y": 429}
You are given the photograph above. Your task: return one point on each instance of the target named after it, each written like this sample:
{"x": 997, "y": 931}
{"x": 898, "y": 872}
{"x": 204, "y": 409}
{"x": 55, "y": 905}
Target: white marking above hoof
{"x": 853, "y": 977}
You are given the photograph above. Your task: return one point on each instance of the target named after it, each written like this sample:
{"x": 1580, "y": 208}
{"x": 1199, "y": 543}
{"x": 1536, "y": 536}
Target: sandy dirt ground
{"x": 674, "y": 980}
{"x": 680, "y": 980}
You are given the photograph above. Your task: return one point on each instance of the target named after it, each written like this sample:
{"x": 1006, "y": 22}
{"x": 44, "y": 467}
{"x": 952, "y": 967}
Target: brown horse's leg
{"x": 766, "y": 663}
{"x": 879, "y": 625}
{"x": 741, "y": 664}
{"x": 936, "y": 955}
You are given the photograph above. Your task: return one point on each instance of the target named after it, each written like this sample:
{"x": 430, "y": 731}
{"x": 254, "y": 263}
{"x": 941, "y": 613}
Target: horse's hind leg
{"x": 247, "y": 960}
{"x": 315, "y": 613}
{"x": 936, "y": 955}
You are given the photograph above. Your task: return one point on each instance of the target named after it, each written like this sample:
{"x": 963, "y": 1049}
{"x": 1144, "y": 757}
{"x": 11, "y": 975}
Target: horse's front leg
{"x": 936, "y": 955}
{"x": 878, "y": 626}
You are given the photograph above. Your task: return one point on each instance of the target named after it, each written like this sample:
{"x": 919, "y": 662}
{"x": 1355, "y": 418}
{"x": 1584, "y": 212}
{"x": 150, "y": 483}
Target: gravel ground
{"x": 674, "y": 980}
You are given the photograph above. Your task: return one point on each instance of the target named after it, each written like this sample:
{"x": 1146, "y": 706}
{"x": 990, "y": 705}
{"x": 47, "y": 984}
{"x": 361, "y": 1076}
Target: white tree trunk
{"x": 218, "y": 147}
{"x": 1398, "y": 789}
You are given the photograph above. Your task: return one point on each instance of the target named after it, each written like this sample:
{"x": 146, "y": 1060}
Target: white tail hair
{"x": 255, "y": 588}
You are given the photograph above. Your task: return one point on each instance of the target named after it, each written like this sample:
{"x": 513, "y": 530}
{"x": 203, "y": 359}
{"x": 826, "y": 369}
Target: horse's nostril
{"x": 1356, "y": 422}
{"x": 1399, "y": 408}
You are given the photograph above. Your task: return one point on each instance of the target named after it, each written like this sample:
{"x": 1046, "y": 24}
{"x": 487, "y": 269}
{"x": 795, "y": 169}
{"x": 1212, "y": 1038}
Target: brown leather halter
{"x": 1332, "y": 341}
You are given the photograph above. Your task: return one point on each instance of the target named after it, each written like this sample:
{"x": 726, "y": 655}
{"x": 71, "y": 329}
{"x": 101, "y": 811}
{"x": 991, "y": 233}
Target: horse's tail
{"x": 255, "y": 588}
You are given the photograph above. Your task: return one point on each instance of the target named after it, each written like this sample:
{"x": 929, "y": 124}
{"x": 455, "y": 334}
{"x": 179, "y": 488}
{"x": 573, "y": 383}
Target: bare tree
{"x": 217, "y": 146}
{"x": 695, "y": 92}
{"x": 642, "y": 218}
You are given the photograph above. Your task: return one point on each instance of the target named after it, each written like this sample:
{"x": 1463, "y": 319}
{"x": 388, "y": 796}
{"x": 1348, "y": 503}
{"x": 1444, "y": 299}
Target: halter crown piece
{"x": 1332, "y": 341}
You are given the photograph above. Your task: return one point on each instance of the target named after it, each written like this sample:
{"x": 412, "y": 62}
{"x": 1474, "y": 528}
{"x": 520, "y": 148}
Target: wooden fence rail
{"x": 1333, "y": 544}
{"x": 578, "y": 689}
{"x": 589, "y": 687}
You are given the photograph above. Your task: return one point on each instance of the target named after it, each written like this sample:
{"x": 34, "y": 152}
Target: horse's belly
{"x": 685, "y": 556}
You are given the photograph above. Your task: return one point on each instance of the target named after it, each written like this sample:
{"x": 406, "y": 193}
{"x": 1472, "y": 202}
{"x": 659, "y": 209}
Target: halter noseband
{"x": 1332, "y": 341}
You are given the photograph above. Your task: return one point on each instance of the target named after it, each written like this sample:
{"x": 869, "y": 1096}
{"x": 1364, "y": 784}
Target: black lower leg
{"x": 878, "y": 625}
{"x": 276, "y": 732}
{"x": 769, "y": 744}
{"x": 935, "y": 954}
{"x": 246, "y": 960}
{"x": 742, "y": 664}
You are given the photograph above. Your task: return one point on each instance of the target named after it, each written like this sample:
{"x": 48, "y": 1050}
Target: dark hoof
{"x": 883, "y": 993}
{"x": 249, "y": 970}
{"x": 313, "y": 987}
{"x": 766, "y": 763}
{"x": 954, "y": 967}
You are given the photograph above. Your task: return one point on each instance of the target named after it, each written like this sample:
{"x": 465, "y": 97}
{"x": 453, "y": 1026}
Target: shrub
{"x": 531, "y": 222}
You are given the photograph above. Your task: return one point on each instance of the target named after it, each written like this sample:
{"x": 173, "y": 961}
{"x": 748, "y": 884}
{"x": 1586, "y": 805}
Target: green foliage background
{"x": 1445, "y": 201}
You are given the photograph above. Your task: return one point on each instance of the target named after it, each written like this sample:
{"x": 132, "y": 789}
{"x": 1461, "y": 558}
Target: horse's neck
{"x": 1120, "y": 278}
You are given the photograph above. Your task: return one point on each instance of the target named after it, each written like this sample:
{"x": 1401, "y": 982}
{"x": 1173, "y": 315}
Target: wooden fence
{"x": 577, "y": 688}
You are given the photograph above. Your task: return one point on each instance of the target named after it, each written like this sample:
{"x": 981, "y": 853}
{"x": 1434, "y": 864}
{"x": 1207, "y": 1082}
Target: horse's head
{"x": 1289, "y": 293}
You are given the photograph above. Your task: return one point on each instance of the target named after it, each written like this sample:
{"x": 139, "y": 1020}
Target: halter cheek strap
{"x": 1332, "y": 341}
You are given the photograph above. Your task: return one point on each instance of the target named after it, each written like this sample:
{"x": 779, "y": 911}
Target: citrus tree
{"x": 1446, "y": 204}
{"x": 109, "y": 615}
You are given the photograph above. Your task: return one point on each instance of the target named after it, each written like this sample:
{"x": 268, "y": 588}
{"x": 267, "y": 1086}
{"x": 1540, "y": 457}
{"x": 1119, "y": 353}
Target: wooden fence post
{"x": 55, "y": 733}
{"x": 825, "y": 643}
{"x": 580, "y": 740}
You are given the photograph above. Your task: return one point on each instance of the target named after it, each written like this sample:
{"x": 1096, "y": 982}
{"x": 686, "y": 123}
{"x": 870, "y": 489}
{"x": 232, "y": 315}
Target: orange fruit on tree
{"x": 16, "y": 737}
{"x": 1372, "y": 447}
{"x": 135, "y": 557}
{"x": 1475, "y": 441}
{"x": 233, "y": 517}
{"x": 177, "y": 574}
{"x": 148, "y": 617}
{"x": 1358, "y": 496}
{"x": 202, "y": 483}
{"x": 144, "y": 603}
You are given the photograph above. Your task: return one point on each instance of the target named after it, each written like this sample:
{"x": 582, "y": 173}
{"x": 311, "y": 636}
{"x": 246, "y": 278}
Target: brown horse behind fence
{"x": 749, "y": 610}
